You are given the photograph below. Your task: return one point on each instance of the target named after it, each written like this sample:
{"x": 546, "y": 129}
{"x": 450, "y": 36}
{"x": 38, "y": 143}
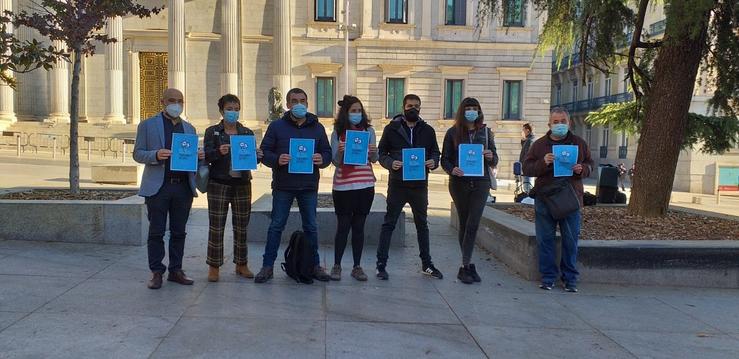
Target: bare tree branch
{"x": 635, "y": 40}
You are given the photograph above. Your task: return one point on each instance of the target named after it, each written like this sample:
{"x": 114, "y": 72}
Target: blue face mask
{"x": 355, "y": 118}
{"x": 231, "y": 116}
{"x": 299, "y": 110}
{"x": 560, "y": 129}
{"x": 471, "y": 115}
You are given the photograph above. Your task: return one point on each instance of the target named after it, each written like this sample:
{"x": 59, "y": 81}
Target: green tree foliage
{"x": 709, "y": 134}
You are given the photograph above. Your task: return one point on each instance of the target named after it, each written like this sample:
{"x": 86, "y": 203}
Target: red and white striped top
{"x": 352, "y": 177}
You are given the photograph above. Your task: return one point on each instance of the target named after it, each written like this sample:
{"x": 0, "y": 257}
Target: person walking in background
{"x": 167, "y": 193}
{"x": 227, "y": 187}
{"x": 622, "y": 176}
{"x": 631, "y": 175}
{"x": 297, "y": 123}
{"x": 354, "y": 186}
{"x": 407, "y": 130}
{"x": 527, "y": 138}
{"x": 468, "y": 192}
{"x": 539, "y": 163}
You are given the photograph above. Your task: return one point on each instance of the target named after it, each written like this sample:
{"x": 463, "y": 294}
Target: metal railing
{"x": 57, "y": 144}
{"x": 622, "y": 152}
{"x": 657, "y": 28}
{"x": 596, "y": 103}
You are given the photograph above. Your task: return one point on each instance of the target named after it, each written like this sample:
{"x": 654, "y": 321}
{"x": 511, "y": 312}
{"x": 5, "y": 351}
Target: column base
{"x": 114, "y": 119}
{"x": 58, "y": 118}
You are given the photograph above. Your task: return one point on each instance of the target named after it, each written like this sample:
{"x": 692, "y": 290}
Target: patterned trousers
{"x": 219, "y": 197}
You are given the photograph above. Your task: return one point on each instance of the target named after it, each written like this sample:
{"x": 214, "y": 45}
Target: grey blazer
{"x": 149, "y": 140}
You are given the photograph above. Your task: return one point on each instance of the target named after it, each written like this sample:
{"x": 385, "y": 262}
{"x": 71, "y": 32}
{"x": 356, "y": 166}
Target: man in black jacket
{"x": 407, "y": 130}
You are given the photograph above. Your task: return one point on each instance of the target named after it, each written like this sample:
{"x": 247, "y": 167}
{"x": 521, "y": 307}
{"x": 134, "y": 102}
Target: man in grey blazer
{"x": 167, "y": 193}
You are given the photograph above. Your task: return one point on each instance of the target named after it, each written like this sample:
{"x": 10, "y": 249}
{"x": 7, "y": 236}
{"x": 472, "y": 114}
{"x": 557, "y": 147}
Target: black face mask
{"x": 411, "y": 115}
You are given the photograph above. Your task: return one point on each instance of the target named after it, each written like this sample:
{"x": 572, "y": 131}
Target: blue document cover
{"x": 565, "y": 157}
{"x": 357, "y": 148}
{"x": 184, "y": 152}
{"x": 243, "y": 153}
{"x": 301, "y": 155}
{"x": 471, "y": 161}
{"x": 414, "y": 166}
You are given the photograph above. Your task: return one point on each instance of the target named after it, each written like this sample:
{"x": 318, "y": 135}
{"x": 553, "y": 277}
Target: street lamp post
{"x": 346, "y": 27}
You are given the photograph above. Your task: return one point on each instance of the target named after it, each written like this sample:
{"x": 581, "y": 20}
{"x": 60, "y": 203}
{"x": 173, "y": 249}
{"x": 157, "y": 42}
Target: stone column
{"x": 426, "y": 23}
{"x": 367, "y": 30}
{"x": 134, "y": 88}
{"x": 7, "y": 95}
{"x": 114, "y": 72}
{"x": 281, "y": 45}
{"x": 230, "y": 47}
{"x": 59, "y": 89}
{"x": 176, "y": 44}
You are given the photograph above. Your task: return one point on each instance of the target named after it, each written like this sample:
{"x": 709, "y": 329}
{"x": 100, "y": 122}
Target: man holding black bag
{"x": 558, "y": 199}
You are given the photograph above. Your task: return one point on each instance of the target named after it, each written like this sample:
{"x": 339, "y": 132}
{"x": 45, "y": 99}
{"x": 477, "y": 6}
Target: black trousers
{"x": 469, "y": 200}
{"x": 397, "y": 197}
{"x": 352, "y": 208}
{"x": 173, "y": 200}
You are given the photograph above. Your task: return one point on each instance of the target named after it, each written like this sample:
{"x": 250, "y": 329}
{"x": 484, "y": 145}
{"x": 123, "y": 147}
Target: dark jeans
{"x": 469, "y": 200}
{"x": 351, "y": 208}
{"x": 175, "y": 201}
{"x": 281, "y": 203}
{"x": 569, "y": 228}
{"x": 397, "y": 197}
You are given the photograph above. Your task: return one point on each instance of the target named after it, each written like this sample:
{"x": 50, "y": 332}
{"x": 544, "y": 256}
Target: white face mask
{"x": 174, "y": 110}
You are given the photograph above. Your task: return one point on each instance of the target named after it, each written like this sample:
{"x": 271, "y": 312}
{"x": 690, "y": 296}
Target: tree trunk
{"x": 666, "y": 110}
{"x": 74, "y": 116}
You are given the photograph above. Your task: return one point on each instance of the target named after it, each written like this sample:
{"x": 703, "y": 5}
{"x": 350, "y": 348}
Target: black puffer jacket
{"x": 395, "y": 137}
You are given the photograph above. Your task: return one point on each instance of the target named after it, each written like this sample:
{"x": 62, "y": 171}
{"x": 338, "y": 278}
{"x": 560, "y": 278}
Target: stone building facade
{"x": 433, "y": 48}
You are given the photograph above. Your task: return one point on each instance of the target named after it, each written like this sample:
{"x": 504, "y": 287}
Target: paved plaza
{"x": 90, "y": 301}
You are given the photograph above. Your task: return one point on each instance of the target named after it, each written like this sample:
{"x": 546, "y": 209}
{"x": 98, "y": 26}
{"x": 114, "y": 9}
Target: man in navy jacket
{"x": 286, "y": 187}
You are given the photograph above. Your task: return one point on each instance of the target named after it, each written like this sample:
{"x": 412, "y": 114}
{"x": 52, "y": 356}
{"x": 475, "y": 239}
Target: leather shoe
{"x": 179, "y": 277}
{"x": 243, "y": 270}
{"x": 156, "y": 281}
{"x": 213, "y": 274}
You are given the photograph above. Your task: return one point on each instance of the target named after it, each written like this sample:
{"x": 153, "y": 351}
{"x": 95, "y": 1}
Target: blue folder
{"x": 357, "y": 148}
{"x": 243, "y": 153}
{"x": 565, "y": 157}
{"x": 471, "y": 160}
{"x": 301, "y": 155}
{"x": 414, "y": 164}
{"x": 184, "y": 152}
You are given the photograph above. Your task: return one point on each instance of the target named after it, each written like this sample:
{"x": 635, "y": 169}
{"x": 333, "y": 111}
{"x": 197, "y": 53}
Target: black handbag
{"x": 559, "y": 197}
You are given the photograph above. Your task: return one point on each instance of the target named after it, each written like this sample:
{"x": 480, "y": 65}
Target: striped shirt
{"x": 352, "y": 177}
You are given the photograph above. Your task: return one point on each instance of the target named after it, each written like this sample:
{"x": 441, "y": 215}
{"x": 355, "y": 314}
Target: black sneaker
{"x": 381, "y": 273}
{"x": 473, "y": 271}
{"x": 546, "y": 286}
{"x": 264, "y": 275}
{"x": 570, "y": 288}
{"x": 430, "y": 270}
{"x": 465, "y": 276}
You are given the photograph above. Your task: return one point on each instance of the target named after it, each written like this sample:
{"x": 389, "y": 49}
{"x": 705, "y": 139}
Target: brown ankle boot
{"x": 243, "y": 270}
{"x": 212, "y": 274}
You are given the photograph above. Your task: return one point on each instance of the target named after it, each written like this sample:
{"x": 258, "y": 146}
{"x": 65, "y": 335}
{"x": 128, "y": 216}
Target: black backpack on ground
{"x": 299, "y": 259}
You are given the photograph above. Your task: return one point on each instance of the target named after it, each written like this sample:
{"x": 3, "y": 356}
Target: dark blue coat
{"x": 277, "y": 142}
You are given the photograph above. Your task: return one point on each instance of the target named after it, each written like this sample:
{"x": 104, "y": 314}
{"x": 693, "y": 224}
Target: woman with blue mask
{"x": 469, "y": 191}
{"x": 354, "y": 185}
{"x": 227, "y": 187}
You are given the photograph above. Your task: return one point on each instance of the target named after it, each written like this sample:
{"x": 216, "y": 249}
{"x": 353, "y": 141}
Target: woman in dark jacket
{"x": 528, "y": 138}
{"x": 227, "y": 187}
{"x": 468, "y": 192}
